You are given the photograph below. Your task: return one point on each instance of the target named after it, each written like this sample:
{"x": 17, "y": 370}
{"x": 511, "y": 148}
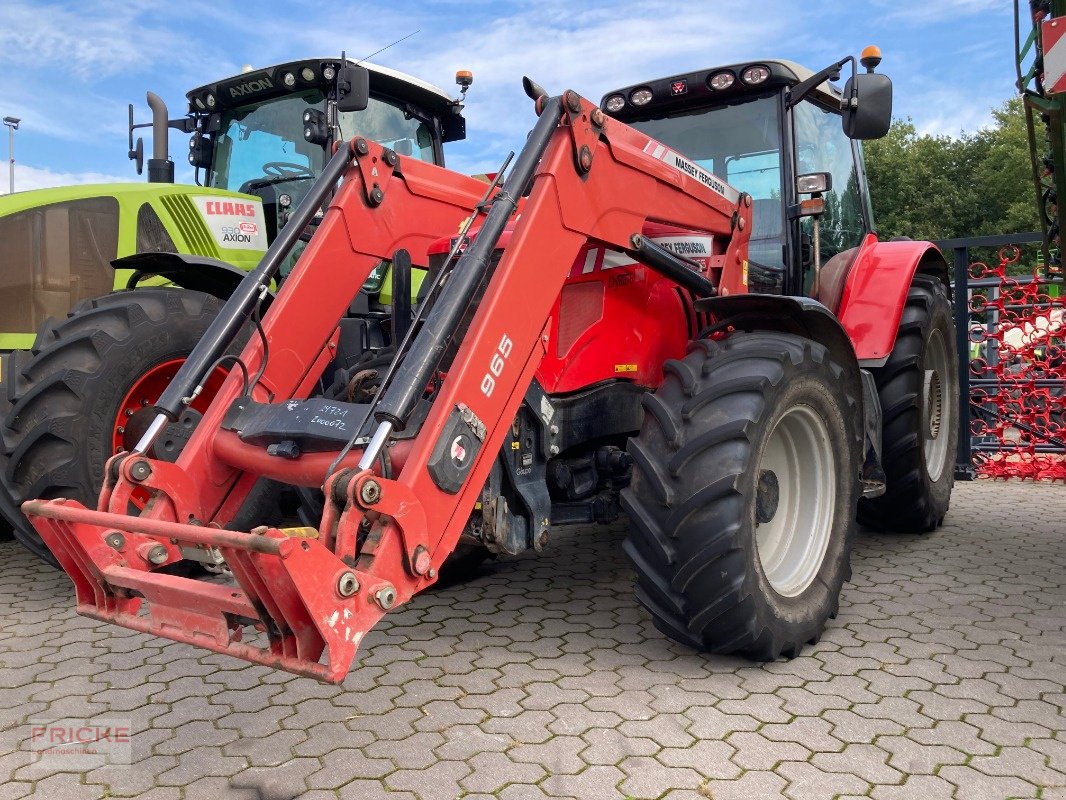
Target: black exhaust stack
{"x": 160, "y": 167}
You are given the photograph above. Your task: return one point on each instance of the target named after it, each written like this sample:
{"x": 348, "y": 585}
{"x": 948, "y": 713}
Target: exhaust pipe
{"x": 160, "y": 167}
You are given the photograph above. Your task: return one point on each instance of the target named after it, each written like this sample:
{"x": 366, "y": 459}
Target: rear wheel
{"x": 919, "y": 391}
{"x": 87, "y": 391}
{"x": 742, "y": 503}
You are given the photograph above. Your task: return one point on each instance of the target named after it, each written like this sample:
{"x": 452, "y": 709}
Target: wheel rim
{"x": 135, "y": 412}
{"x": 795, "y": 500}
{"x": 937, "y": 412}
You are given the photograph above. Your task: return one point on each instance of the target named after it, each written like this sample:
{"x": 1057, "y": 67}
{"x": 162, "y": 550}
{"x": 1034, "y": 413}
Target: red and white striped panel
{"x": 1054, "y": 55}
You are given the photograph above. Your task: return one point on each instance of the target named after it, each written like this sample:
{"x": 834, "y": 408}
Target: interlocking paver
{"x": 944, "y": 676}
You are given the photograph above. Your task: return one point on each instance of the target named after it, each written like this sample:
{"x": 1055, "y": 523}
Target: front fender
{"x": 875, "y": 293}
{"x": 196, "y": 273}
{"x": 799, "y": 315}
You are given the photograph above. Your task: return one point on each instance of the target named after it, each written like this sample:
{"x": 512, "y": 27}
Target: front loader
{"x": 588, "y": 337}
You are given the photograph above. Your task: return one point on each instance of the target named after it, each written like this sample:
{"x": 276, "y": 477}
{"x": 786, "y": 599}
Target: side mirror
{"x": 867, "y": 114}
{"x": 353, "y": 89}
{"x": 453, "y": 126}
{"x": 137, "y": 155}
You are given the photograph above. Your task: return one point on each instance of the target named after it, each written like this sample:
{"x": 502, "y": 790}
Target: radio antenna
{"x": 386, "y": 47}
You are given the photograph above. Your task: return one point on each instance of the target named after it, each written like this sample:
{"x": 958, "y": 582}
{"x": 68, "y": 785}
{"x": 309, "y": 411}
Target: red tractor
{"x": 614, "y": 326}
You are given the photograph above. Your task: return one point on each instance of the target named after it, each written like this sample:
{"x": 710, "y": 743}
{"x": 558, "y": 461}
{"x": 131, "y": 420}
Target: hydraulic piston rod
{"x": 228, "y": 323}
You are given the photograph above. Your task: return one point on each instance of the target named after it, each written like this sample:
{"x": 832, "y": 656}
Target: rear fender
{"x": 875, "y": 293}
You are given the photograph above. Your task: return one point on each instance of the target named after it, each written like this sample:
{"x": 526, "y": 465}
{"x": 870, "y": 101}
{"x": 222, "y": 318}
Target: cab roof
{"x": 687, "y": 90}
{"x": 267, "y": 82}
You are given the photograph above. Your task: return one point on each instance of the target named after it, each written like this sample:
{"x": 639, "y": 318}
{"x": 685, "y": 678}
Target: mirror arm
{"x": 804, "y": 88}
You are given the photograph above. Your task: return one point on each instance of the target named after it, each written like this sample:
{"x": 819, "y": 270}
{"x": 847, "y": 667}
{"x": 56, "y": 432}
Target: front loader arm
{"x": 385, "y": 533}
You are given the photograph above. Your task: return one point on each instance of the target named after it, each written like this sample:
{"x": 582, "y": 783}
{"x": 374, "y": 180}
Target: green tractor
{"x": 79, "y": 263}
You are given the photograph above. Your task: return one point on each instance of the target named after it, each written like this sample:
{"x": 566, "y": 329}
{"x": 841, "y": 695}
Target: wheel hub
{"x": 938, "y": 385}
{"x": 767, "y": 496}
{"x": 794, "y": 500}
{"x": 934, "y": 402}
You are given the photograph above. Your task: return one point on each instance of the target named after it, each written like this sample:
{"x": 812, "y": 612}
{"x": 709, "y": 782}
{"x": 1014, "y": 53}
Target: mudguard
{"x": 800, "y": 315}
{"x": 196, "y": 273}
{"x": 875, "y": 293}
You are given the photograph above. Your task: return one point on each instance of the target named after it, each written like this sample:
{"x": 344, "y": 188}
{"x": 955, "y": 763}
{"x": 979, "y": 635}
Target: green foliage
{"x": 941, "y": 187}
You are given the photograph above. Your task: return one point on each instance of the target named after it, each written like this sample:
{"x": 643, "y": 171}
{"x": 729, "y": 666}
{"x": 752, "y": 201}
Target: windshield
{"x": 265, "y": 141}
{"x": 741, "y": 143}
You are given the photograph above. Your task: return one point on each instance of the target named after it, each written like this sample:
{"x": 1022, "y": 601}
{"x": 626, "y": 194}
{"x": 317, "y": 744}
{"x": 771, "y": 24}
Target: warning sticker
{"x": 235, "y": 224}
{"x": 677, "y": 161}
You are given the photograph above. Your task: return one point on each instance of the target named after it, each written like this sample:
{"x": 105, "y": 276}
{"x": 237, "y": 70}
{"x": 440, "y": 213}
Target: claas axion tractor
{"x": 672, "y": 304}
{"x": 258, "y": 141}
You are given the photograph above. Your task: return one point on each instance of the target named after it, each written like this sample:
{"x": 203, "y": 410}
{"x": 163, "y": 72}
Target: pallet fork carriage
{"x": 592, "y": 180}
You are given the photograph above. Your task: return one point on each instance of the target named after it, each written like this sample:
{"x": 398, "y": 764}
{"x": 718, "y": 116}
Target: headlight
{"x": 640, "y": 97}
{"x": 289, "y": 79}
{"x": 199, "y": 103}
{"x": 755, "y": 75}
{"x": 329, "y": 72}
{"x": 307, "y": 74}
{"x": 721, "y": 81}
{"x": 614, "y": 103}
{"x": 210, "y": 100}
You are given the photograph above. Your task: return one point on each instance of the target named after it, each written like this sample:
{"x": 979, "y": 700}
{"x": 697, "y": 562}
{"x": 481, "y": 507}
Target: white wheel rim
{"x": 937, "y": 412}
{"x": 793, "y": 539}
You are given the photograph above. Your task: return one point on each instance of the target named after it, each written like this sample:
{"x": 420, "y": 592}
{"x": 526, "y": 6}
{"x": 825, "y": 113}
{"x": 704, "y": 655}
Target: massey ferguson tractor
{"x": 673, "y": 304}
{"x": 258, "y": 141}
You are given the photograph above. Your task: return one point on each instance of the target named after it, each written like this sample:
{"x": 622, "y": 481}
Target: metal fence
{"x": 1012, "y": 360}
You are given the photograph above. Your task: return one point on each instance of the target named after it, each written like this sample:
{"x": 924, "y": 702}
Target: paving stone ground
{"x": 944, "y": 676}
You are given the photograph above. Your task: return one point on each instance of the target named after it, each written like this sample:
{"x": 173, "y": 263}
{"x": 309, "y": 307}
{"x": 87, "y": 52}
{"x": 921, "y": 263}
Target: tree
{"x": 940, "y": 187}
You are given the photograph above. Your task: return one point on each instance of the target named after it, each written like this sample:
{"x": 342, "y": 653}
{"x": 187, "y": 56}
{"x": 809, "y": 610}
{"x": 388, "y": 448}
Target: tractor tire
{"x": 67, "y": 397}
{"x": 742, "y": 503}
{"x": 919, "y": 391}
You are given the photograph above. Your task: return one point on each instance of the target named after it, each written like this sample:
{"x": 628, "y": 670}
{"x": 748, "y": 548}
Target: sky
{"x": 69, "y": 69}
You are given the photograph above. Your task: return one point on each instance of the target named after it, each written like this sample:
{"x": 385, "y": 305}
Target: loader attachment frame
{"x": 394, "y": 509}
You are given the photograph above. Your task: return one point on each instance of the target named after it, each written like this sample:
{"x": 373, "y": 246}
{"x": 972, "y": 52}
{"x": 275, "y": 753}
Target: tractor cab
{"x": 774, "y": 130}
{"x": 268, "y": 132}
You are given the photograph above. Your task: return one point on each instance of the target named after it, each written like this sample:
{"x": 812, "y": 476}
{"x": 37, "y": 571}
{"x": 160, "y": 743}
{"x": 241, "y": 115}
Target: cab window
{"x": 821, "y": 146}
{"x": 391, "y": 125}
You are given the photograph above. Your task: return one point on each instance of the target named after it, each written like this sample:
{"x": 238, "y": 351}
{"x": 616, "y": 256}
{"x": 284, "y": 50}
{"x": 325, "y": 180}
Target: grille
{"x": 191, "y": 225}
{"x": 580, "y": 306}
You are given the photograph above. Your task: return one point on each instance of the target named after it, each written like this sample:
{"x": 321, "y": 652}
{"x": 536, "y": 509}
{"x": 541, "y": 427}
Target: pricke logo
{"x": 242, "y": 89}
{"x": 229, "y": 209}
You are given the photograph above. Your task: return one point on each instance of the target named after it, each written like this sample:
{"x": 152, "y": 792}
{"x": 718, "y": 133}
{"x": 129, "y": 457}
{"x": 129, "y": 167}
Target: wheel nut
{"x": 370, "y": 492}
{"x": 347, "y": 585}
{"x": 597, "y": 116}
{"x": 386, "y": 597}
{"x": 115, "y": 540}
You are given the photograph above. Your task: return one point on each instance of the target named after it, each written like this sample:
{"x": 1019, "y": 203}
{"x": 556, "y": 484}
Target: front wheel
{"x": 87, "y": 392}
{"x": 742, "y": 504}
{"x": 919, "y": 391}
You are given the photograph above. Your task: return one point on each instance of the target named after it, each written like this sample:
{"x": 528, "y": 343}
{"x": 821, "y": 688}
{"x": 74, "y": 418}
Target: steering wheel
{"x": 285, "y": 169}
